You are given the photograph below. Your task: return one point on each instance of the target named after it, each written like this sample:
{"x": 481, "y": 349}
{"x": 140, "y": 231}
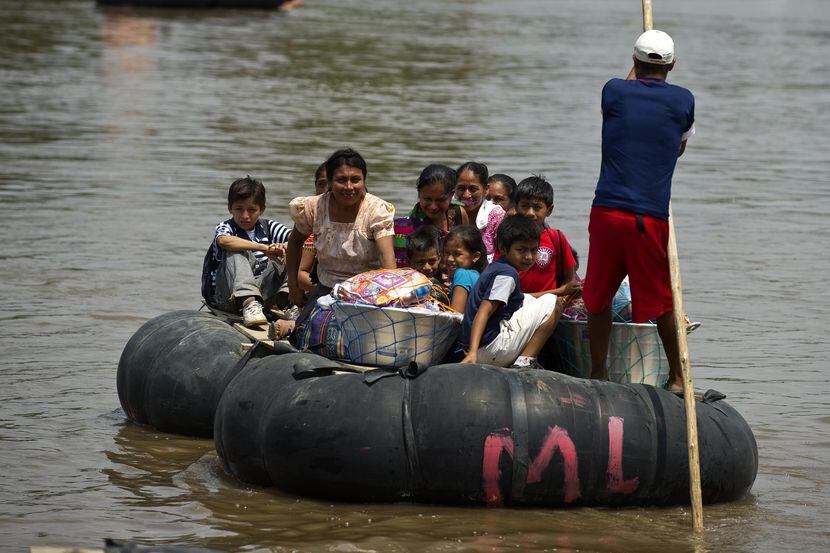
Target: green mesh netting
{"x": 635, "y": 353}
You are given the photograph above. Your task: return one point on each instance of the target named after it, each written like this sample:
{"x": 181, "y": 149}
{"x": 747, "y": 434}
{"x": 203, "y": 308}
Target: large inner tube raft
{"x": 473, "y": 434}
{"x": 462, "y": 434}
{"x": 174, "y": 369}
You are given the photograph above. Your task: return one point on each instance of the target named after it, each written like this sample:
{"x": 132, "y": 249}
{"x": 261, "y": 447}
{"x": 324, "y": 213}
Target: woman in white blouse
{"x": 352, "y": 230}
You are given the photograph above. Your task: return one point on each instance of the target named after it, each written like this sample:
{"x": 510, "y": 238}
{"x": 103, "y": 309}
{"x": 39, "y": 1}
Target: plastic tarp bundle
{"x": 383, "y": 318}
{"x": 394, "y": 336}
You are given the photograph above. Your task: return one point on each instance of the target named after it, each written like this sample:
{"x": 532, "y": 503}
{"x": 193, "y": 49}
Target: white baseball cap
{"x": 654, "y": 47}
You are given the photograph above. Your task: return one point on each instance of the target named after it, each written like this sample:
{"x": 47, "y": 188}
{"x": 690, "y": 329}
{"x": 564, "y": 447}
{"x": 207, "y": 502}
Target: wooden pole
{"x": 683, "y": 347}
{"x": 648, "y": 22}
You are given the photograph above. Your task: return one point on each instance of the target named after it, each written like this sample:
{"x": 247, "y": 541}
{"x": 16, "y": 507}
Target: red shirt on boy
{"x": 554, "y": 258}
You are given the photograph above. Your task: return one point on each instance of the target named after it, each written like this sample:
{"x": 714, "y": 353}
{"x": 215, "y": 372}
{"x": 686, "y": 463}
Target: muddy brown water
{"x": 120, "y": 130}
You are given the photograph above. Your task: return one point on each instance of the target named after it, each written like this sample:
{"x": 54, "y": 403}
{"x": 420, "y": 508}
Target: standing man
{"x": 645, "y": 124}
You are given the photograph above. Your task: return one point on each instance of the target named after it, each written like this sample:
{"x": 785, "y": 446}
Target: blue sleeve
{"x": 691, "y": 112}
{"x": 608, "y": 94}
{"x": 602, "y": 97}
{"x": 466, "y": 278}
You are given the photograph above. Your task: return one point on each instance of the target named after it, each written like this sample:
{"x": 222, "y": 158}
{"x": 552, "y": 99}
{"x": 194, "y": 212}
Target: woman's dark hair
{"x": 470, "y": 237}
{"x": 423, "y": 239}
{"x": 348, "y": 157}
{"x": 506, "y": 180}
{"x": 319, "y": 171}
{"x": 534, "y": 186}
{"x": 436, "y": 173}
{"x": 478, "y": 169}
{"x": 246, "y": 189}
{"x": 515, "y": 228}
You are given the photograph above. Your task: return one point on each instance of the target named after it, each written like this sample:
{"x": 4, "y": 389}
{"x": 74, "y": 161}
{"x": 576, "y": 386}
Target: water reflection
{"x": 131, "y": 47}
{"x": 129, "y": 41}
{"x": 149, "y": 464}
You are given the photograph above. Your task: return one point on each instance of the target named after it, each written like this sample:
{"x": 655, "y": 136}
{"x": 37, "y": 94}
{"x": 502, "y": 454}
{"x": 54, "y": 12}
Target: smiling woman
{"x": 351, "y": 229}
{"x": 435, "y": 207}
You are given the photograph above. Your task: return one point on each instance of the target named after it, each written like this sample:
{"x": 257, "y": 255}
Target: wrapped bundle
{"x": 395, "y": 336}
{"x": 385, "y": 287}
{"x": 387, "y": 319}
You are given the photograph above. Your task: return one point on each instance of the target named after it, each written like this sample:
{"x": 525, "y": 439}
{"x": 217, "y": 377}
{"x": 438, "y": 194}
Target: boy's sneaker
{"x": 291, "y": 313}
{"x": 252, "y": 314}
{"x": 534, "y": 364}
{"x": 288, "y": 314}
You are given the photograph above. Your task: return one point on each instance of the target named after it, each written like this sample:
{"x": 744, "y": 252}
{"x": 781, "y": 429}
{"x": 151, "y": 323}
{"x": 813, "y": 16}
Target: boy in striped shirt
{"x": 248, "y": 255}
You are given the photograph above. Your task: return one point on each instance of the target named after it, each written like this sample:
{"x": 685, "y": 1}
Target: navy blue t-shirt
{"x": 498, "y": 282}
{"x": 642, "y": 124}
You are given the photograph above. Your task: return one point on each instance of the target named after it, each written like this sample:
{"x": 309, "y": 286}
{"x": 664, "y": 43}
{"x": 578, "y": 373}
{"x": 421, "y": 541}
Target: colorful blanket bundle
{"x": 385, "y": 288}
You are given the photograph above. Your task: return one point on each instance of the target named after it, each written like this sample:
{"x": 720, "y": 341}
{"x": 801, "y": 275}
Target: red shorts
{"x": 619, "y": 246}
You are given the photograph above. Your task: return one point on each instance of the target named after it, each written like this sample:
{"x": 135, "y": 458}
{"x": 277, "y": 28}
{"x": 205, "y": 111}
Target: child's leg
{"x": 544, "y": 331}
{"x": 516, "y": 334}
{"x": 235, "y": 281}
{"x": 273, "y": 285}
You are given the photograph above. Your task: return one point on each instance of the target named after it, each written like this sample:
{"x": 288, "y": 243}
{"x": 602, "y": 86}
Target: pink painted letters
{"x": 616, "y": 482}
{"x": 494, "y": 444}
{"x": 557, "y": 438}
{"x": 502, "y": 440}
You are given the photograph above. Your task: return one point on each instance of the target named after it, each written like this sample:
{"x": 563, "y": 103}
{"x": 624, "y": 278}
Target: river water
{"x": 120, "y": 130}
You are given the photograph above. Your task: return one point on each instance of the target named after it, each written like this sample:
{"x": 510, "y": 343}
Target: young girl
{"x": 423, "y": 253}
{"x": 500, "y": 189}
{"x": 465, "y": 258}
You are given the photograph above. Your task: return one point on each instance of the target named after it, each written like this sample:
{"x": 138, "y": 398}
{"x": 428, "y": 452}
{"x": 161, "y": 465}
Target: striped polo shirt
{"x": 265, "y": 231}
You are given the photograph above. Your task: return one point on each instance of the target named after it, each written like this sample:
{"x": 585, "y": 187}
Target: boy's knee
{"x": 551, "y": 322}
{"x": 557, "y": 305}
